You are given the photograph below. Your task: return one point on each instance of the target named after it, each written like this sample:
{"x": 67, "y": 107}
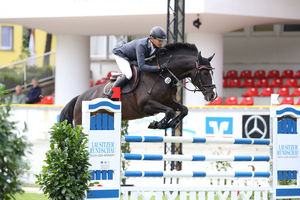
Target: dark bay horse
{"x": 156, "y": 92}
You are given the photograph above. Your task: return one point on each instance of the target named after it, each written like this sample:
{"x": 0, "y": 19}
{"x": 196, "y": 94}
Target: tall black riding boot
{"x": 121, "y": 81}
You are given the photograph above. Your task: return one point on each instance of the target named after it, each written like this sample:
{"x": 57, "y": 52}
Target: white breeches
{"x": 124, "y": 66}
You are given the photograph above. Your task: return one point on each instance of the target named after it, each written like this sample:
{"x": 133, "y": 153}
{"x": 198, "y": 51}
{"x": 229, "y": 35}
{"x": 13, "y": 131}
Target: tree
{"x": 12, "y": 152}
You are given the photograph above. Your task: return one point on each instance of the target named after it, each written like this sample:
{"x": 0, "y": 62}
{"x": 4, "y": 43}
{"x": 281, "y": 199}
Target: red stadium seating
{"x": 47, "y": 100}
{"x": 247, "y": 101}
{"x": 231, "y": 74}
{"x": 249, "y": 82}
{"x": 251, "y": 92}
{"x": 260, "y": 74}
{"x": 292, "y": 82}
{"x": 217, "y": 101}
{"x": 225, "y": 83}
{"x": 283, "y": 92}
{"x": 234, "y": 83}
{"x": 101, "y": 81}
{"x": 246, "y": 74}
{"x": 262, "y": 83}
{"x": 288, "y": 73}
{"x": 231, "y": 101}
{"x": 297, "y": 75}
{"x": 296, "y": 92}
{"x": 274, "y": 73}
{"x": 277, "y": 82}
{"x": 267, "y": 92}
{"x": 287, "y": 100}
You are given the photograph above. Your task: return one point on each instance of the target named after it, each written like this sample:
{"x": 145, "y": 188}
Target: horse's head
{"x": 203, "y": 78}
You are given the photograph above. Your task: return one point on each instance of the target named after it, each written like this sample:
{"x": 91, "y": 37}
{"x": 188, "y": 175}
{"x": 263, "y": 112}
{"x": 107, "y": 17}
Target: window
{"x": 263, "y": 28}
{"x": 291, "y": 27}
{"x": 238, "y": 30}
{"x": 98, "y": 47}
{"x": 6, "y": 38}
{"x": 102, "y": 46}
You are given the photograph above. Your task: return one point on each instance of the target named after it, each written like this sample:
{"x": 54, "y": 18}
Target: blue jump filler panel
{"x": 287, "y": 125}
{"x": 102, "y": 175}
{"x": 102, "y": 121}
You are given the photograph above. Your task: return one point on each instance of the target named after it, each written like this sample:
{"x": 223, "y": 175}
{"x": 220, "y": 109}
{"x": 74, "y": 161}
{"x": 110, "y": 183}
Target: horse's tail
{"x": 68, "y": 112}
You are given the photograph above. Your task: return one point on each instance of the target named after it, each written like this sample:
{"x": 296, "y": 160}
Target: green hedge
{"x": 66, "y": 174}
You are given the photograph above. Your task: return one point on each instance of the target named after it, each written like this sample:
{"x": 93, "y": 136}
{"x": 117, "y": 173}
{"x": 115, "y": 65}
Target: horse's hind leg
{"x": 183, "y": 112}
{"x": 153, "y": 107}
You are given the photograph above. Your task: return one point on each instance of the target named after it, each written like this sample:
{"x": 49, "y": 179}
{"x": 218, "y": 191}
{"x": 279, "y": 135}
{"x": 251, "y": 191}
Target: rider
{"x": 138, "y": 50}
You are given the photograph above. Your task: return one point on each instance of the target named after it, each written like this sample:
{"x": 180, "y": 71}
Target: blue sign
{"x": 219, "y": 125}
{"x": 287, "y": 125}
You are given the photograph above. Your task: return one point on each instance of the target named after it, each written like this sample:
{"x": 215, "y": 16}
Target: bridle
{"x": 203, "y": 87}
{"x": 199, "y": 67}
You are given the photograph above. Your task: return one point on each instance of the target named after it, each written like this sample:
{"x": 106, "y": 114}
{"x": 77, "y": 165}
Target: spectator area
{"x": 253, "y": 84}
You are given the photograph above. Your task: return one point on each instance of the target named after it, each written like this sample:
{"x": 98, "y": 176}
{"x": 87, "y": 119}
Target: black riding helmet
{"x": 158, "y": 32}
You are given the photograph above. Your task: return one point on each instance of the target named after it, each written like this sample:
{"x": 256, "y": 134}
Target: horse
{"x": 156, "y": 92}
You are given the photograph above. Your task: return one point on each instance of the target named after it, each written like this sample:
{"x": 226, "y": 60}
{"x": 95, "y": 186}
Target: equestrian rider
{"x": 138, "y": 50}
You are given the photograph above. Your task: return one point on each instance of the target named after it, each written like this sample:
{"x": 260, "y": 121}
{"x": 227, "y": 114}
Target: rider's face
{"x": 156, "y": 42}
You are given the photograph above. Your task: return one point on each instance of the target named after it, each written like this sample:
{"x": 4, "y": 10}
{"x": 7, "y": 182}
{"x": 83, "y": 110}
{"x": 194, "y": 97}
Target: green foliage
{"x": 287, "y": 182}
{"x": 31, "y": 196}
{"x": 12, "y": 151}
{"x": 125, "y": 148}
{"x": 25, "y": 38}
{"x": 14, "y": 75}
{"x": 222, "y": 165}
{"x": 66, "y": 174}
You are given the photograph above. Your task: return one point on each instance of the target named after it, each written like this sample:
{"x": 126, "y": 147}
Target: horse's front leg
{"x": 183, "y": 112}
{"x": 152, "y": 107}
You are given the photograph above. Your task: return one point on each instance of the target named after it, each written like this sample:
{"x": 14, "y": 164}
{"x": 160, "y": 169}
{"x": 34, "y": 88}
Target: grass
{"x": 34, "y": 196}
{"x": 31, "y": 196}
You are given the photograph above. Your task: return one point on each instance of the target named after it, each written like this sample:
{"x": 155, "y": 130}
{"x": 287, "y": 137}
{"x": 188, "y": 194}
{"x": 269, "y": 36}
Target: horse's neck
{"x": 183, "y": 65}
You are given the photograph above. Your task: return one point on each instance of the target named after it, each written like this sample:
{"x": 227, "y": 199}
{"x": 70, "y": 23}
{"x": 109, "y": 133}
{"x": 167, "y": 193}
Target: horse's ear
{"x": 210, "y": 58}
{"x": 200, "y": 56}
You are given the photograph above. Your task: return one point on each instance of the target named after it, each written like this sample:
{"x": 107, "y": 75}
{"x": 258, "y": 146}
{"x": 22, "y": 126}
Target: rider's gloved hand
{"x": 163, "y": 66}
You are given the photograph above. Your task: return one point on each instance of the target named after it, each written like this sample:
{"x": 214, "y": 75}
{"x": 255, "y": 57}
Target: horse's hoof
{"x": 153, "y": 125}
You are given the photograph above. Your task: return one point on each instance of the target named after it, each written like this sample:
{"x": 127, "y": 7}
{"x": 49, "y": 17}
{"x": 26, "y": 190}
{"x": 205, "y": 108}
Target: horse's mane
{"x": 181, "y": 46}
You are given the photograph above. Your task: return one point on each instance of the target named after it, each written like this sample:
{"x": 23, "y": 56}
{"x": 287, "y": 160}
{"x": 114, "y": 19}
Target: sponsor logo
{"x": 256, "y": 126}
{"x": 219, "y": 125}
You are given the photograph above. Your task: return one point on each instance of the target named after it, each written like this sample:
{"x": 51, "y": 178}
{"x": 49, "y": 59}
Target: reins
{"x": 198, "y": 68}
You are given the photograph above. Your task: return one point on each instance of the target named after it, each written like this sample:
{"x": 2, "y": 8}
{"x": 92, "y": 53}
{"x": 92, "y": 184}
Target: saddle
{"x": 130, "y": 86}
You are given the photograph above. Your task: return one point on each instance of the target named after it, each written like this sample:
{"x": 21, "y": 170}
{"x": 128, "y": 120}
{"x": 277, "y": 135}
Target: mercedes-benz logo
{"x": 255, "y": 127}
